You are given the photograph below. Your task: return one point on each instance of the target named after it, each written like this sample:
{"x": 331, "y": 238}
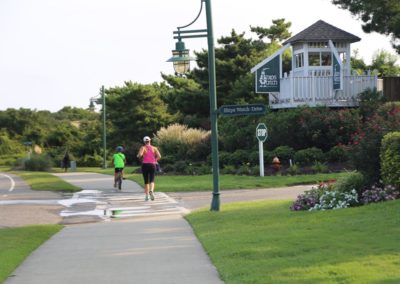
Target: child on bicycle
{"x": 118, "y": 162}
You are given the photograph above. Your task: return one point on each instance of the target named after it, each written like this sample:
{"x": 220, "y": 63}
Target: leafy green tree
{"x": 378, "y": 16}
{"x": 279, "y": 31}
{"x": 357, "y": 63}
{"x": 187, "y": 100}
{"x": 385, "y": 63}
{"x": 9, "y": 146}
{"x": 135, "y": 110}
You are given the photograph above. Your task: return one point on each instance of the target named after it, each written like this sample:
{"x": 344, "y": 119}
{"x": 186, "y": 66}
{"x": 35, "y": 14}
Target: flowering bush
{"x": 310, "y": 198}
{"x": 379, "y": 193}
{"x": 336, "y": 200}
{"x": 306, "y": 200}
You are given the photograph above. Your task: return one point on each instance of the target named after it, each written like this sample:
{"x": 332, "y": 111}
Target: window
{"x": 314, "y": 59}
{"x": 326, "y": 58}
{"x": 299, "y": 60}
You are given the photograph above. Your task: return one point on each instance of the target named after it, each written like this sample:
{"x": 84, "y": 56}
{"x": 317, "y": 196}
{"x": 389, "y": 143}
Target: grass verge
{"x": 167, "y": 183}
{"x": 46, "y": 181}
{"x": 17, "y": 243}
{"x": 265, "y": 242}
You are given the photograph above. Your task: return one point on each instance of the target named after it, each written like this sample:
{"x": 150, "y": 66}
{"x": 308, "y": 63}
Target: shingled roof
{"x": 322, "y": 31}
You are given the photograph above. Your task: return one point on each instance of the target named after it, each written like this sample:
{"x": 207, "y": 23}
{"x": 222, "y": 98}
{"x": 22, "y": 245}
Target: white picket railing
{"x": 318, "y": 90}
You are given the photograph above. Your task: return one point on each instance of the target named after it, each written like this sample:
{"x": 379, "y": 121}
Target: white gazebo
{"x": 321, "y": 72}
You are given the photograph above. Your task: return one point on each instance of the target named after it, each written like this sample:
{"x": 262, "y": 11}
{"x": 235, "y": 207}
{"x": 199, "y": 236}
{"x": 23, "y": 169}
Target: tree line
{"x": 135, "y": 110}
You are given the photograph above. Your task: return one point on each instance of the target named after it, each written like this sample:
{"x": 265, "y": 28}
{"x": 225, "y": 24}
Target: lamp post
{"x": 102, "y": 101}
{"x": 181, "y": 61}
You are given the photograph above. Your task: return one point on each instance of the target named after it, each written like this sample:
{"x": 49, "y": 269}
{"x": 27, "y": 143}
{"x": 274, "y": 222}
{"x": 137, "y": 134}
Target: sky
{"x": 56, "y": 53}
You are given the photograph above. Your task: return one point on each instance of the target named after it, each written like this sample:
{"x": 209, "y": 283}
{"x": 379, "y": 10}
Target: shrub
{"x": 8, "y": 146}
{"x": 183, "y": 142}
{"x": 224, "y": 159}
{"x": 168, "y": 168}
{"x": 244, "y": 169}
{"x": 337, "y": 154}
{"x": 255, "y": 170}
{"x": 239, "y": 158}
{"x": 37, "y": 163}
{"x": 180, "y": 166}
{"x": 309, "y": 156}
{"x": 306, "y": 201}
{"x": 168, "y": 159}
{"x": 366, "y": 142}
{"x": 284, "y": 153}
{"x": 370, "y": 100}
{"x": 9, "y": 160}
{"x": 228, "y": 169}
{"x": 310, "y": 198}
{"x": 390, "y": 158}
{"x": 293, "y": 170}
{"x": 319, "y": 167}
{"x": 94, "y": 160}
{"x": 379, "y": 193}
{"x": 354, "y": 180}
{"x": 336, "y": 200}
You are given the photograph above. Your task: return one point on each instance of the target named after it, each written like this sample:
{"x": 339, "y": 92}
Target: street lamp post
{"x": 102, "y": 101}
{"x": 181, "y": 61}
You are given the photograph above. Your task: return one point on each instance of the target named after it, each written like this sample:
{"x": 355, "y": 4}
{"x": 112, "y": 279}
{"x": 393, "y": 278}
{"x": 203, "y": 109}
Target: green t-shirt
{"x": 119, "y": 159}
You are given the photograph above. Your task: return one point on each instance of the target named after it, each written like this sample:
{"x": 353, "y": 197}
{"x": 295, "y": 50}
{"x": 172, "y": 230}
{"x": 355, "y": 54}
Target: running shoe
{"x": 146, "y": 198}
{"x": 151, "y": 195}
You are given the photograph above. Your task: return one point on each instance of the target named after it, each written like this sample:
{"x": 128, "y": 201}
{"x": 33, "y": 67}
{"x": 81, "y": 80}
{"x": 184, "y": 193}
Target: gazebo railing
{"x": 317, "y": 90}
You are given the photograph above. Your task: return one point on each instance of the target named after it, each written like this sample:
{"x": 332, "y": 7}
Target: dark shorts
{"x": 117, "y": 170}
{"x": 148, "y": 171}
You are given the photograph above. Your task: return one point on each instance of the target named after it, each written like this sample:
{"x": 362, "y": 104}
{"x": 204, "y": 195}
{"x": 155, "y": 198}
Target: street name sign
{"x": 251, "y": 109}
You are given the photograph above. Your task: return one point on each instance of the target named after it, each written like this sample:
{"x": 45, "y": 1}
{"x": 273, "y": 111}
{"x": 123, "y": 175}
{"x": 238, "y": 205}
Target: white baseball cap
{"x": 146, "y": 138}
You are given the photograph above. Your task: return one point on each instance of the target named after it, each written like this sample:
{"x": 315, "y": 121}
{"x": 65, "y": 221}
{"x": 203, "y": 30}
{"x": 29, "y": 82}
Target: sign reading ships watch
{"x": 267, "y": 76}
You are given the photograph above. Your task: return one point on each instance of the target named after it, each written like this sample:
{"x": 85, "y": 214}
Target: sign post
{"x": 261, "y": 134}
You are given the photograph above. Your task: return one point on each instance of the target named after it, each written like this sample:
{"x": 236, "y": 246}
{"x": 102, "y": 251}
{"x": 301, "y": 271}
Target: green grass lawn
{"x": 265, "y": 242}
{"x": 17, "y": 243}
{"x": 46, "y": 181}
{"x": 167, "y": 183}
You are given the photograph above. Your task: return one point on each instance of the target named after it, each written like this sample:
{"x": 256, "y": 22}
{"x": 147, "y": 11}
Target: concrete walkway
{"x": 158, "y": 249}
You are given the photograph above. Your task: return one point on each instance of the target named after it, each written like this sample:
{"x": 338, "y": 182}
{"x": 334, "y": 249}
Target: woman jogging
{"x": 149, "y": 155}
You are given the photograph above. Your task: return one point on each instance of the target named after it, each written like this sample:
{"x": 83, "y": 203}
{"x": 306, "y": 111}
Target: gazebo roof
{"x": 322, "y": 31}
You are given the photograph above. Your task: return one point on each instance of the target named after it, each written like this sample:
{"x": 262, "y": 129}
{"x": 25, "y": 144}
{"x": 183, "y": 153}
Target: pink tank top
{"x": 149, "y": 156}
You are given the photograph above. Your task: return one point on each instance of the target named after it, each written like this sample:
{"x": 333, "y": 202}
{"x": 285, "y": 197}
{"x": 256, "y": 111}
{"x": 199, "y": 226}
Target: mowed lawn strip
{"x": 265, "y": 242}
{"x": 17, "y": 243}
{"x": 46, "y": 181}
{"x": 171, "y": 183}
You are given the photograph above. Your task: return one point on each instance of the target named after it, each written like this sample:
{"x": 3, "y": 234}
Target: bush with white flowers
{"x": 336, "y": 200}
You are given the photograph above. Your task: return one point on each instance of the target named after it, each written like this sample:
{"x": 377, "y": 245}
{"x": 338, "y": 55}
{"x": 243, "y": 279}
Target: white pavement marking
{"x": 11, "y": 180}
{"x": 163, "y": 205}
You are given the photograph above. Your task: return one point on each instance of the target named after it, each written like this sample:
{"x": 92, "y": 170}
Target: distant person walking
{"x": 65, "y": 162}
{"x": 149, "y": 156}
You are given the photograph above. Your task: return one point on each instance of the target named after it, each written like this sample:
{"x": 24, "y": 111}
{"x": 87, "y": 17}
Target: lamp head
{"x": 180, "y": 58}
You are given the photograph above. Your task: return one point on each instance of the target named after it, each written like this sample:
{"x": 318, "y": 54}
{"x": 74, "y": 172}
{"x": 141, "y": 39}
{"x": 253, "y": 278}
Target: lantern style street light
{"x": 102, "y": 101}
{"x": 181, "y": 61}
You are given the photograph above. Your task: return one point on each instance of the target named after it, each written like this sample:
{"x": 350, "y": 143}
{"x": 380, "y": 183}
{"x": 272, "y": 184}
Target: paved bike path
{"x": 156, "y": 249}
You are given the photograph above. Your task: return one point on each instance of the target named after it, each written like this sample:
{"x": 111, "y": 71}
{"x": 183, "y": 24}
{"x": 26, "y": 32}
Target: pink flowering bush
{"x": 378, "y": 193}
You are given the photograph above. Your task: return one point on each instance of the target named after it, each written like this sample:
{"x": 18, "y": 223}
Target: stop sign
{"x": 261, "y": 132}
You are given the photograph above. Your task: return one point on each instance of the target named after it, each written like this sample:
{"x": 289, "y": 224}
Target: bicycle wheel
{"x": 119, "y": 181}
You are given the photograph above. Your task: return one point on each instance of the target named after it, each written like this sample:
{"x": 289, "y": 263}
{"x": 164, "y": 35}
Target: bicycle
{"x": 118, "y": 180}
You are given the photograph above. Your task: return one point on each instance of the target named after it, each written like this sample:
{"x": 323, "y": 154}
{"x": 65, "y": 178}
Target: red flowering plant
{"x": 366, "y": 141}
